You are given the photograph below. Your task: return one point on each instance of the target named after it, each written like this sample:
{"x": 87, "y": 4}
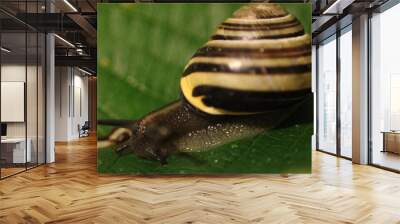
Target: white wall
{"x": 62, "y": 81}
{"x": 33, "y": 127}
{"x": 16, "y": 73}
{"x": 12, "y": 73}
{"x": 80, "y": 102}
{"x": 71, "y": 94}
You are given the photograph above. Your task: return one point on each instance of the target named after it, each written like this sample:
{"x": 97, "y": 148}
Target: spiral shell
{"x": 259, "y": 60}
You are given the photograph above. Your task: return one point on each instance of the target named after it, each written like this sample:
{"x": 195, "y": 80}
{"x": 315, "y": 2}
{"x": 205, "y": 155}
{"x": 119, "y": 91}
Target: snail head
{"x": 146, "y": 141}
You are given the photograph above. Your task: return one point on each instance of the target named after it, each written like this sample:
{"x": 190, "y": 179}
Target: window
{"x": 346, "y": 75}
{"x": 327, "y": 95}
{"x": 385, "y": 89}
{"x": 22, "y": 77}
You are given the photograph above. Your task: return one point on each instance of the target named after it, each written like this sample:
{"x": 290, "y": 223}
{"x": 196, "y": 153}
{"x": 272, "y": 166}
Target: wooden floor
{"x": 387, "y": 159}
{"x": 70, "y": 191}
{"x": 5, "y": 172}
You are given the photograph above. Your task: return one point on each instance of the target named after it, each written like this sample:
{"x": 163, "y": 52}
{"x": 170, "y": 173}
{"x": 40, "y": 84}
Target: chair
{"x": 84, "y": 130}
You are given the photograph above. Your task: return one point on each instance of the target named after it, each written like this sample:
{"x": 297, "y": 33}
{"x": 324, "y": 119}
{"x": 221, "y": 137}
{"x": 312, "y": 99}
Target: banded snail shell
{"x": 259, "y": 60}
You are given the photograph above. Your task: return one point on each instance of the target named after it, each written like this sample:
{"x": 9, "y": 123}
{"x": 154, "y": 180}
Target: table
{"x": 17, "y": 153}
{"x": 391, "y": 141}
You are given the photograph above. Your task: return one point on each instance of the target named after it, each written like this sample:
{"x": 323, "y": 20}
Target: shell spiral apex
{"x": 258, "y": 60}
{"x": 259, "y": 11}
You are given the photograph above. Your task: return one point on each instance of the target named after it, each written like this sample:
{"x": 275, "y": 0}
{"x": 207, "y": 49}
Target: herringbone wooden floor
{"x": 70, "y": 191}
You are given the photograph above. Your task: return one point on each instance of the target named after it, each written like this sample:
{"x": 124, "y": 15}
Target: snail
{"x": 253, "y": 75}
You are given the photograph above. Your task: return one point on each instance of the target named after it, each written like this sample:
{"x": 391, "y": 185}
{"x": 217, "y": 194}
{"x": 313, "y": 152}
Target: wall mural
{"x": 204, "y": 88}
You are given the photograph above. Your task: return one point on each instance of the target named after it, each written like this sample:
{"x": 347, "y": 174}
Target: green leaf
{"x": 142, "y": 50}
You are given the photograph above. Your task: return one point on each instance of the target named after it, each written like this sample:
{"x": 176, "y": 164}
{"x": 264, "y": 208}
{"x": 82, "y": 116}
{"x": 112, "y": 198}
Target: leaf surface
{"x": 142, "y": 50}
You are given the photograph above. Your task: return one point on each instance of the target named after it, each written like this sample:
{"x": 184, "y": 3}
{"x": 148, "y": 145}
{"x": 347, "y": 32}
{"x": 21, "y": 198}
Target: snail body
{"x": 176, "y": 128}
{"x": 252, "y": 75}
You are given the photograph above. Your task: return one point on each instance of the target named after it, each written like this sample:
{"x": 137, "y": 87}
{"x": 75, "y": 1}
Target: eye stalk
{"x": 118, "y": 136}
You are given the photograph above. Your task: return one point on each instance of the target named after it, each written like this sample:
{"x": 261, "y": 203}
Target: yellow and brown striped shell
{"x": 258, "y": 60}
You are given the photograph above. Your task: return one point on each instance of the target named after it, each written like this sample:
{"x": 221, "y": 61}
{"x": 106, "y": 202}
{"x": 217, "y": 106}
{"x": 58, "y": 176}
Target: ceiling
{"x": 332, "y": 15}
{"x": 74, "y": 22}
